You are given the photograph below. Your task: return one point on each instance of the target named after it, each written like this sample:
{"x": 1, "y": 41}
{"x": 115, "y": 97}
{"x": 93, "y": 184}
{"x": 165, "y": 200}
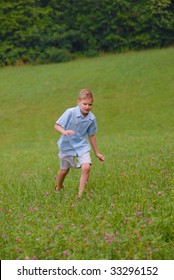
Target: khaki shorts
{"x": 74, "y": 162}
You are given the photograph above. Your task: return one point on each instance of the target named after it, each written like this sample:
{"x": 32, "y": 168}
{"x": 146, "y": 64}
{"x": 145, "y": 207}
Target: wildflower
{"x": 139, "y": 214}
{"x": 159, "y": 193}
{"x": 109, "y": 237}
{"x": 27, "y": 258}
{"x": 147, "y": 220}
{"x": 65, "y": 253}
{"x": 59, "y": 226}
{"x": 164, "y": 171}
{"x": 126, "y": 219}
{"x": 18, "y": 239}
{"x": 148, "y": 250}
{"x": 34, "y": 258}
{"x": 156, "y": 249}
{"x": 109, "y": 241}
{"x": 152, "y": 186}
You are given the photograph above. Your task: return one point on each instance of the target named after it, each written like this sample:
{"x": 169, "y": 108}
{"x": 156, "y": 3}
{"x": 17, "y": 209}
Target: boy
{"x": 75, "y": 125}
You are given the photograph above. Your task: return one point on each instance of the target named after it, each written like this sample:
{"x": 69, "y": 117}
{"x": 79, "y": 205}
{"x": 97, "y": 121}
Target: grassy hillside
{"x": 127, "y": 209}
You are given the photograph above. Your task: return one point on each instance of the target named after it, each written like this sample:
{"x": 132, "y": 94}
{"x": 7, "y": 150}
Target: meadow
{"x": 126, "y": 211}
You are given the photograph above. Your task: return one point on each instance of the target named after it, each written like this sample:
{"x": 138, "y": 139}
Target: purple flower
{"x": 59, "y": 226}
{"x": 65, "y": 253}
{"x": 164, "y": 171}
{"x": 147, "y": 220}
{"x": 139, "y": 214}
{"x": 109, "y": 241}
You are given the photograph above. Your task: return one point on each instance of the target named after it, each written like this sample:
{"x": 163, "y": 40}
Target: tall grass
{"x": 127, "y": 209}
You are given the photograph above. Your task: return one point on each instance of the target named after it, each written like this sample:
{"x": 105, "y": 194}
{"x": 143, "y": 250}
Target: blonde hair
{"x": 85, "y": 93}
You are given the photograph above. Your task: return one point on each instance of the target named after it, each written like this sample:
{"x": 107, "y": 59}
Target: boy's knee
{"x": 64, "y": 171}
{"x": 86, "y": 167}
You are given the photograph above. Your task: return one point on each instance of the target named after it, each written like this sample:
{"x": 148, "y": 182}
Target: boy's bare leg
{"x": 84, "y": 177}
{"x": 61, "y": 177}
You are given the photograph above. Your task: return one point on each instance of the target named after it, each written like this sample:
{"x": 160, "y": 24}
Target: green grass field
{"x": 126, "y": 211}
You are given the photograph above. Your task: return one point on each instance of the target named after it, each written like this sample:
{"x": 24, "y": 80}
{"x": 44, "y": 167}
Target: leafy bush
{"x": 55, "y": 55}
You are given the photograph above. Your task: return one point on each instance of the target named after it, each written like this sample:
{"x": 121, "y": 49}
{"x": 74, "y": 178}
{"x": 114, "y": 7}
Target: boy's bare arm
{"x": 60, "y": 129}
{"x": 93, "y": 142}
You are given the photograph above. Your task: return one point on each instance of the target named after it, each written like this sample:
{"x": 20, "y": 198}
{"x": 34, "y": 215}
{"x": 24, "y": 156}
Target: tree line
{"x": 44, "y": 31}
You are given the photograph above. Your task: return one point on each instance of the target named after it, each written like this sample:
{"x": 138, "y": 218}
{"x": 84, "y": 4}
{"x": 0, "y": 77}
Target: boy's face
{"x": 85, "y": 105}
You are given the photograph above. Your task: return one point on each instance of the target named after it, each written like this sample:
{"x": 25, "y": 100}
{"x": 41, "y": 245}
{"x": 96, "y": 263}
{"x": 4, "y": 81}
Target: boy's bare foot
{"x": 58, "y": 188}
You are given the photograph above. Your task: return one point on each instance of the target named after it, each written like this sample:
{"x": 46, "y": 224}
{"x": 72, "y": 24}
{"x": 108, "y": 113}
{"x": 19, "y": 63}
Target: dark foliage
{"x": 43, "y": 31}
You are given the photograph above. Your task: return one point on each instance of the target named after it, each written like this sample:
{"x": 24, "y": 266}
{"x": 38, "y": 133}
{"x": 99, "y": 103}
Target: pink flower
{"x": 126, "y": 219}
{"x": 109, "y": 241}
{"x": 156, "y": 249}
{"x": 65, "y": 253}
{"x": 59, "y": 226}
{"x": 18, "y": 239}
{"x": 139, "y": 214}
{"x": 164, "y": 171}
{"x": 147, "y": 220}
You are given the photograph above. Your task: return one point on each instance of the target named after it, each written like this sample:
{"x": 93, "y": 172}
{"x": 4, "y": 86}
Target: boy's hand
{"x": 100, "y": 157}
{"x": 68, "y": 132}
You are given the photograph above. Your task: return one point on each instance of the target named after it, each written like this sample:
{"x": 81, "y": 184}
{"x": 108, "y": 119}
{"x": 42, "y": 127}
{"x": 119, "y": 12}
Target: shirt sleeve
{"x": 64, "y": 119}
{"x": 92, "y": 128}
